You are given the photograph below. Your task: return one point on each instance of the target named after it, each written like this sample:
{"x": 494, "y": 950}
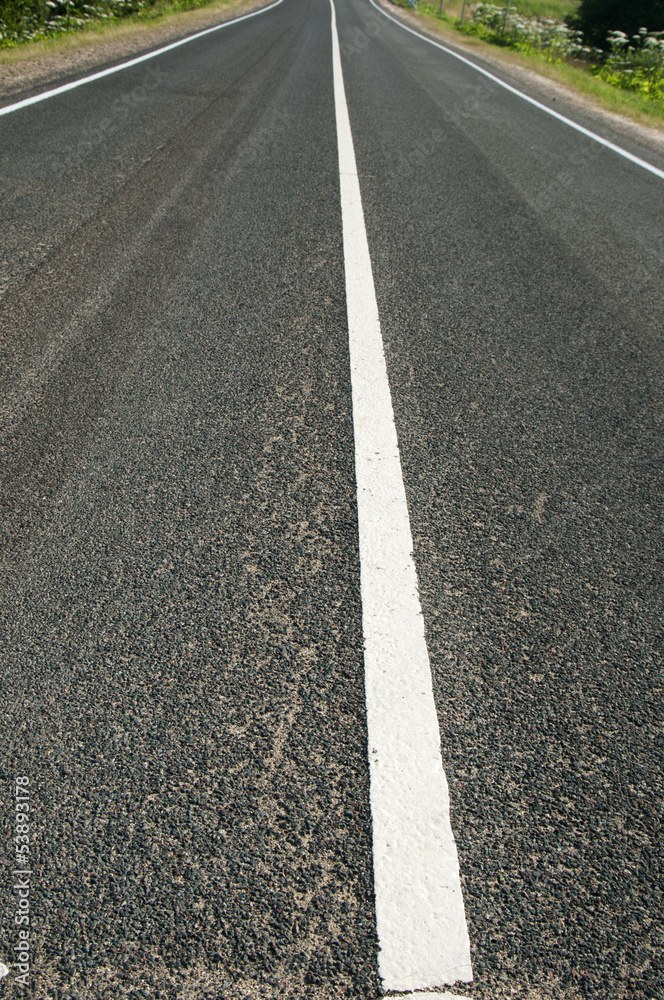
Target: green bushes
{"x": 596, "y": 19}
{"x": 638, "y": 65}
{"x": 635, "y": 64}
{"x": 503, "y": 25}
{"x": 22, "y": 20}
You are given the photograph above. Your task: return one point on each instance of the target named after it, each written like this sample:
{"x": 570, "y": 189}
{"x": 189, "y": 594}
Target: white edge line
{"x": 531, "y": 100}
{"x": 132, "y": 62}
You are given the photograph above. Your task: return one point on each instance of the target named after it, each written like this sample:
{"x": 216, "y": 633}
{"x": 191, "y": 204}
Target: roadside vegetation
{"x": 610, "y": 50}
{"x": 574, "y": 43}
{"x": 23, "y": 21}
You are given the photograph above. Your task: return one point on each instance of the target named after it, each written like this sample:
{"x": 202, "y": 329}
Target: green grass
{"x": 96, "y": 31}
{"x": 114, "y": 21}
{"x": 638, "y": 106}
{"x": 452, "y": 10}
{"x": 556, "y": 9}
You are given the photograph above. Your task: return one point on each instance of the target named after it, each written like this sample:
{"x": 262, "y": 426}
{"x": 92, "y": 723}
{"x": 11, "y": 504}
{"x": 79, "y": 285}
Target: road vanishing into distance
{"x": 191, "y": 804}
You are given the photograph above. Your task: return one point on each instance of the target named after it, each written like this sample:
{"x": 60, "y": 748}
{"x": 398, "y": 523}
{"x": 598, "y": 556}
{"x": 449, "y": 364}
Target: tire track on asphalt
{"x": 64, "y": 88}
{"x": 61, "y": 344}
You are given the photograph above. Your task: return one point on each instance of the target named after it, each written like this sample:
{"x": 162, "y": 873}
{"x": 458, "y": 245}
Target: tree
{"x": 597, "y": 17}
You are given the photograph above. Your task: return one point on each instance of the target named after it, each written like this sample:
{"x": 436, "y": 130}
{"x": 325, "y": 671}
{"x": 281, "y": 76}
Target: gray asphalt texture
{"x": 181, "y": 621}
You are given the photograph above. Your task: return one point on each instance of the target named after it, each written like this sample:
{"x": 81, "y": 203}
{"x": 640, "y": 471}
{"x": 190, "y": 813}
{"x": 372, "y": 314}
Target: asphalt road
{"x": 182, "y": 672}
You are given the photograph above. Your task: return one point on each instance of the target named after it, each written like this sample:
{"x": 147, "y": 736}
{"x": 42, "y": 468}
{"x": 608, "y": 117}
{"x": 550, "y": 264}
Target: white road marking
{"x": 132, "y": 62}
{"x": 531, "y": 100}
{"x": 421, "y": 922}
{"x": 427, "y": 996}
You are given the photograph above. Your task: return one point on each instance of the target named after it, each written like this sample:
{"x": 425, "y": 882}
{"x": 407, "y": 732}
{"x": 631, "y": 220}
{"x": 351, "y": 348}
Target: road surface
{"x": 183, "y": 689}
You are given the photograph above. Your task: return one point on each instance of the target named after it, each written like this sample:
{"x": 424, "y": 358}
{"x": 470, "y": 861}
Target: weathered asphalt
{"x": 182, "y": 662}
{"x": 518, "y": 271}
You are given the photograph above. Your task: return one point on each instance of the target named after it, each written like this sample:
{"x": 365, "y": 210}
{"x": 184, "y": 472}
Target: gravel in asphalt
{"x": 182, "y": 667}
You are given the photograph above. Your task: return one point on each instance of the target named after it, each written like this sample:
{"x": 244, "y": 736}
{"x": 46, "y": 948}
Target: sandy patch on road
{"x": 42, "y": 63}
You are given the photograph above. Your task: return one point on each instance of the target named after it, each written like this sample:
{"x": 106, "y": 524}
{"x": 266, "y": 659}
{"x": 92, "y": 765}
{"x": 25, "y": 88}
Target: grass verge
{"x": 162, "y": 14}
{"x": 558, "y": 9}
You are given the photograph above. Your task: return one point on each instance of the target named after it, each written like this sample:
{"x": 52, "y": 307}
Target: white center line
{"x": 420, "y": 916}
{"x": 427, "y": 996}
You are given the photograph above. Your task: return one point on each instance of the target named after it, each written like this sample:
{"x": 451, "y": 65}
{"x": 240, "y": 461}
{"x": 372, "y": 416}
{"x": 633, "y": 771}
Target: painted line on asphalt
{"x": 131, "y": 62}
{"x": 426, "y": 996}
{"x": 531, "y": 100}
{"x": 421, "y": 924}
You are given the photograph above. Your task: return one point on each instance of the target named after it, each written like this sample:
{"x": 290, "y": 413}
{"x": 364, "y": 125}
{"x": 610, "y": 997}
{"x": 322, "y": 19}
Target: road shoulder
{"x": 566, "y": 99}
{"x": 35, "y": 66}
